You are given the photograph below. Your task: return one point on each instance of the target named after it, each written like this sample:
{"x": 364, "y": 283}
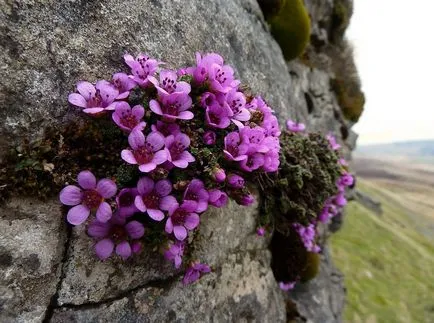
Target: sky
{"x": 394, "y": 51}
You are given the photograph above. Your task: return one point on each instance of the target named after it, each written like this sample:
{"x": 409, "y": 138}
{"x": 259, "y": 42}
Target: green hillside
{"x": 388, "y": 264}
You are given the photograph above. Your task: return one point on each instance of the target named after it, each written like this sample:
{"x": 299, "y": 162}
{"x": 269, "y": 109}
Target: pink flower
{"x": 176, "y": 146}
{"x": 332, "y": 141}
{"x": 128, "y": 119}
{"x": 235, "y": 181}
{"x": 117, "y": 235}
{"x": 173, "y": 106}
{"x": 218, "y": 198}
{"x": 196, "y": 192}
{"x": 147, "y": 151}
{"x": 287, "y": 286}
{"x": 194, "y": 272}
{"x": 154, "y": 197}
{"x": 168, "y": 84}
{"x": 124, "y": 84}
{"x": 125, "y": 202}
{"x": 219, "y": 175}
{"x": 294, "y": 126}
{"x": 142, "y": 68}
{"x": 209, "y": 138}
{"x": 260, "y": 231}
{"x": 94, "y": 99}
{"x": 175, "y": 252}
{"x": 89, "y": 196}
{"x": 182, "y": 219}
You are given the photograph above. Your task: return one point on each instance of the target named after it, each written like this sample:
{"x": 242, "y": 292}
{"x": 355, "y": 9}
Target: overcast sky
{"x": 394, "y": 47}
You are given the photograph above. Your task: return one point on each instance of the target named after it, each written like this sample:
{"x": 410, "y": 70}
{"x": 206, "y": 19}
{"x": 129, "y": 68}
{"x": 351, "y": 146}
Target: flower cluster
{"x": 193, "y": 136}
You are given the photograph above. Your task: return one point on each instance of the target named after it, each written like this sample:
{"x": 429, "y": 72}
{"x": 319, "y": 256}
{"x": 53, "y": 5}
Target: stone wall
{"x": 48, "y": 272}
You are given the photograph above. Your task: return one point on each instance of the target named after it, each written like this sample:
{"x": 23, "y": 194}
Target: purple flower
{"x": 271, "y": 161}
{"x": 125, "y": 202}
{"x": 217, "y": 198}
{"x": 235, "y": 147}
{"x": 147, "y": 152}
{"x": 124, "y": 84}
{"x": 154, "y": 197}
{"x": 346, "y": 179}
{"x": 91, "y": 196}
{"x": 247, "y": 200}
{"x": 253, "y": 162}
{"x": 176, "y": 146}
{"x": 286, "y": 286}
{"x": 173, "y": 106}
{"x": 294, "y": 126}
{"x": 182, "y": 219}
{"x": 194, "y": 272}
{"x": 340, "y": 199}
{"x": 307, "y": 235}
{"x": 175, "y": 252}
{"x": 166, "y": 129}
{"x": 94, "y": 99}
{"x": 237, "y": 103}
{"x": 235, "y": 181}
{"x": 201, "y": 71}
{"x": 209, "y": 138}
{"x": 196, "y": 192}
{"x": 271, "y": 126}
{"x": 260, "y": 231}
{"x": 168, "y": 84}
{"x": 343, "y": 162}
{"x": 126, "y": 118}
{"x": 221, "y": 78}
{"x": 116, "y": 235}
{"x": 332, "y": 141}
{"x": 219, "y": 175}
{"x": 142, "y": 68}
{"x": 218, "y": 115}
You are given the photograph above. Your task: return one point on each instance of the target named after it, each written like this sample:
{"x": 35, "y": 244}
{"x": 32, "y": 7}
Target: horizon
{"x": 395, "y": 65}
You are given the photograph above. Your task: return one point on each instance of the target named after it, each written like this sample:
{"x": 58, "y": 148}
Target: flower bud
{"x": 209, "y": 138}
{"x": 217, "y": 198}
{"x": 247, "y": 200}
{"x": 235, "y": 181}
{"x": 219, "y": 175}
{"x": 260, "y": 231}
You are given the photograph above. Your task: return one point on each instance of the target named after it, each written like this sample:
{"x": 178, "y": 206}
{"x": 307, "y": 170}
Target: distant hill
{"x": 412, "y": 149}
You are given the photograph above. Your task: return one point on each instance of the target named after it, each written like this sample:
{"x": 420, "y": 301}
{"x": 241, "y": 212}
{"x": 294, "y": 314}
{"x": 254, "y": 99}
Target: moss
{"x": 291, "y": 28}
{"x": 41, "y": 167}
{"x": 306, "y": 179}
{"x": 350, "y": 98}
{"x": 342, "y": 12}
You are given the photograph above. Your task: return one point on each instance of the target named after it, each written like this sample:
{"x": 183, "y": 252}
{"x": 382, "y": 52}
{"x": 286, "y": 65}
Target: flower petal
{"x": 180, "y": 163}
{"x": 78, "y": 214}
{"x": 156, "y": 140}
{"x": 192, "y": 221}
{"x": 86, "y": 180}
{"x": 107, "y": 188}
{"x": 186, "y": 115}
{"x": 169, "y": 226}
{"x": 156, "y": 215}
{"x": 104, "y": 212}
{"x": 146, "y": 168}
{"x": 98, "y": 229}
{"x": 135, "y": 229}
{"x": 168, "y": 203}
{"x": 93, "y": 110}
{"x": 104, "y": 248}
{"x": 138, "y": 111}
{"x": 180, "y": 232}
{"x": 136, "y": 139}
{"x": 145, "y": 185}
{"x": 160, "y": 157}
{"x": 163, "y": 187}
{"x": 128, "y": 156}
{"x": 77, "y": 100}
{"x": 123, "y": 249}
{"x": 71, "y": 195}
{"x": 138, "y": 202}
{"x": 155, "y": 107}
{"x": 86, "y": 89}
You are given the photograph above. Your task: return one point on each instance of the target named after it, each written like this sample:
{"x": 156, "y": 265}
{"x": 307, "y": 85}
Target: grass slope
{"x": 388, "y": 264}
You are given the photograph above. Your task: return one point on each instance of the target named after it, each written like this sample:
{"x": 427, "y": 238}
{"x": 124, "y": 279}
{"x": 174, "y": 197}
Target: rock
{"x": 369, "y": 202}
{"x": 32, "y": 238}
{"x": 243, "y": 289}
{"x": 322, "y": 299}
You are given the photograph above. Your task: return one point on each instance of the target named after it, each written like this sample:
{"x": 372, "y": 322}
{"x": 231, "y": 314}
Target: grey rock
{"x": 243, "y": 289}
{"x": 32, "y": 238}
{"x": 369, "y": 202}
{"x": 322, "y": 299}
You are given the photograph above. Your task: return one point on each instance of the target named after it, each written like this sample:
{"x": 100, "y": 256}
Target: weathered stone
{"x": 369, "y": 202}
{"x": 322, "y": 299}
{"x": 241, "y": 290}
{"x": 32, "y": 238}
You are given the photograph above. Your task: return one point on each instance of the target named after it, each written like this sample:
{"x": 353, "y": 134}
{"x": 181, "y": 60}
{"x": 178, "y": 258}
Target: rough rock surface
{"x": 47, "y": 46}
